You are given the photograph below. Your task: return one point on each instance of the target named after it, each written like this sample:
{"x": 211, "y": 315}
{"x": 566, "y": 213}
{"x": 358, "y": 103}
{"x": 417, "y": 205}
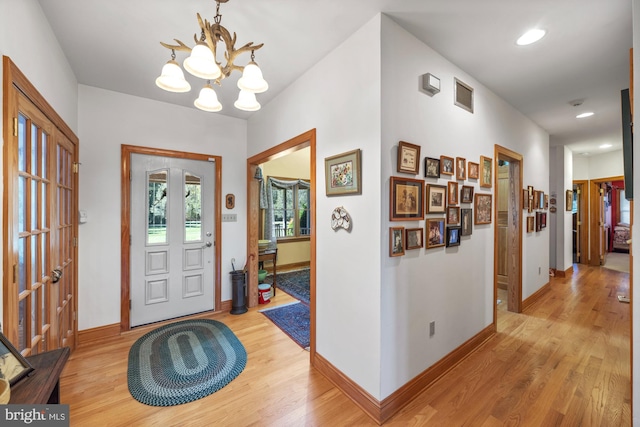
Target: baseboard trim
{"x": 288, "y": 267}
{"x": 381, "y": 411}
{"x": 226, "y": 305}
{"x": 100, "y": 333}
{"x": 536, "y": 296}
{"x": 567, "y": 272}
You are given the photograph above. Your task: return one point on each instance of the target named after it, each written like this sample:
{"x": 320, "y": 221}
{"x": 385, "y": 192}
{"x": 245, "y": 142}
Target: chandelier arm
{"x": 180, "y": 46}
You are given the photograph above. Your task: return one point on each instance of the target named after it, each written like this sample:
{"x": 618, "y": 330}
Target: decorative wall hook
{"x": 340, "y": 218}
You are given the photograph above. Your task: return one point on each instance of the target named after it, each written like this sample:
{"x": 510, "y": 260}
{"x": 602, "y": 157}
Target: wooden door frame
{"x": 307, "y": 139}
{"x": 594, "y": 186}
{"x": 125, "y": 230}
{"x": 583, "y": 217}
{"x": 14, "y": 78}
{"x": 516, "y": 206}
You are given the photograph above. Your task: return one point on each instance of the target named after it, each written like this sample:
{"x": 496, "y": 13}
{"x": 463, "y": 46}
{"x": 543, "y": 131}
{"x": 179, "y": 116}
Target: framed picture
{"x": 414, "y": 238}
{"x": 530, "y": 191}
{"x": 408, "y": 157}
{"x": 536, "y": 199}
{"x": 431, "y": 167}
{"x": 546, "y": 201}
{"x": 435, "y": 232}
{"x": 465, "y": 222}
{"x": 405, "y": 199}
{"x": 13, "y": 366}
{"x": 466, "y": 194}
{"x": 486, "y": 170}
{"x": 453, "y": 236}
{"x": 569, "y": 200}
{"x": 461, "y": 171}
{"x": 452, "y": 190}
{"x": 538, "y": 221}
{"x": 453, "y": 215}
{"x": 525, "y": 199}
{"x": 483, "y": 209}
{"x": 540, "y": 199}
{"x": 474, "y": 170}
{"x": 342, "y": 174}
{"x": 396, "y": 241}
{"x": 446, "y": 165}
{"x": 530, "y": 224}
{"x": 436, "y": 198}
{"x": 543, "y": 220}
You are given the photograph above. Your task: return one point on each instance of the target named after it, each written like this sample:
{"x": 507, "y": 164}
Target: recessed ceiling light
{"x": 531, "y": 36}
{"x": 583, "y": 115}
{"x": 605, "y": 146}
{"x": 584, "y": 154}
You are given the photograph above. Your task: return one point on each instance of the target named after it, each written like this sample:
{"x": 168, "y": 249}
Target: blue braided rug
{"x": 183, "y": 362}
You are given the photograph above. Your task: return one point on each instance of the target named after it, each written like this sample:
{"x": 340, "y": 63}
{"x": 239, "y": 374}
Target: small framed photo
{"x": 486, "y": 172}
{"x": 408, "y": 157}
{"x": 396, "y": 241}
{"x": 405, "y": 199}
{"x": 546, "y": 201}
{"x": 538, "y": 221}
{"x": 569, "y": 200}
{"x": 474, "y": 170}
{"x": 531, "y": 201}
{"x": 13, "y": 366}
{"x": 436, "y": 198}
{"x": 535, "y": 201}
{"x": 435, "y": 232}
{"x": 466, "y": 219}
{"x": 466, "y": 194}
{"x": 541, "y": 197}
{"x": 453, "y": 215}
{"x": 342, "y": 174}
{"x": 530, "y": 224}
{"x": 414, "y": 238}
{"x": 543, "y": 220}
{"x": 452, "y": 190}
{"x": 525, "y": 199}
{"x": 461, "y": 170}
{"x": 431, "y": 167}
{"x": 483, "y": 209}
{"x": 446, "y": 165}
{"x": 453, "y": 236}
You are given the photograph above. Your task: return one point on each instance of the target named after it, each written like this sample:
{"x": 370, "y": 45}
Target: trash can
{"x": 238, "y": 296}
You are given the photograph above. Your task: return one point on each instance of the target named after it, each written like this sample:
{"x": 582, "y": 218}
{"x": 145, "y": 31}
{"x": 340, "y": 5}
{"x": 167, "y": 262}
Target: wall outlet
{"x": 432, "y": 328}
{"x": 229, "y": 217}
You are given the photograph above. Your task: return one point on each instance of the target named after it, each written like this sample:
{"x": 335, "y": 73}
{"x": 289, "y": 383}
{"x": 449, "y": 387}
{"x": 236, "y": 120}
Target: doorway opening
{"x": 508, "y": 231}
{"x": 254, "y": 228}
{"x": 579, "y": 220}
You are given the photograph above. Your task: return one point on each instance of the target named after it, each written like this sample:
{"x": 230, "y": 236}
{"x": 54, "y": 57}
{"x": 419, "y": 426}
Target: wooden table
{"x": 269, "y": 255}
{"x": 42, "y": 385}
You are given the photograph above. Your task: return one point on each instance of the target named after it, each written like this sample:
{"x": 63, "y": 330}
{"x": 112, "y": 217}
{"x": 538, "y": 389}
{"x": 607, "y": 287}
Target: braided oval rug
{"x": 184, "y": 361}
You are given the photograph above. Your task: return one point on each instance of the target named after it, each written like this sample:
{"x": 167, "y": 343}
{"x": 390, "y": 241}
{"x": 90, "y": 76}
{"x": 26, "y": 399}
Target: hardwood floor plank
{"x": 565, "y": 361}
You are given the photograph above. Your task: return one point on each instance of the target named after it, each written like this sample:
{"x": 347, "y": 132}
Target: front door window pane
{"x": 157, "y": 186}
{"x": 22, "y": 143}
{"x": 192, "y": 208}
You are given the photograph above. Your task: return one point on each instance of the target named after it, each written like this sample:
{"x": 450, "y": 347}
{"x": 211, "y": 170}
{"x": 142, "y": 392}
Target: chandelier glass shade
{"x": 202, "y": 62}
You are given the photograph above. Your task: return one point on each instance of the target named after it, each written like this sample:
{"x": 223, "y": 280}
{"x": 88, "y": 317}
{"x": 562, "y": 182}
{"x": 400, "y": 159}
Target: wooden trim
{"x": 567, "y": 272}
{"x": 594, "y": 185}
{"x": 226, "y": 305}
{"x": 381, "y": 411}
{"x": 307, "y": 139}
{"x": 583, "y": 212}
{"x": 125, "y": 152}
{"x": 289, "y": 267}
{"x": 100, "y": 333}
{"x": 536, "y": 296}
{"x": 515, "y": 294}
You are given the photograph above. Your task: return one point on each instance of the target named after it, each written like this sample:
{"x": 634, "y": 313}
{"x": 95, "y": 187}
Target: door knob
{"x": 207, "y": 245}
{"x": 56, "y": 274}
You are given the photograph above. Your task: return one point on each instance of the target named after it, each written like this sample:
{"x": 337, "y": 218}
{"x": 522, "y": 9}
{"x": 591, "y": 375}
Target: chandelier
{"x": 203, "y": 63}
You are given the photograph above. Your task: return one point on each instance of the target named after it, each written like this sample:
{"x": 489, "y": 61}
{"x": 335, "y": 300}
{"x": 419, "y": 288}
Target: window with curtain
{"x": 291, "y": 211}
{"x": 625, "y": 210}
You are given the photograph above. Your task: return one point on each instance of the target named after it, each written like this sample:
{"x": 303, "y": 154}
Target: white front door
{"x": 172, "y": 240}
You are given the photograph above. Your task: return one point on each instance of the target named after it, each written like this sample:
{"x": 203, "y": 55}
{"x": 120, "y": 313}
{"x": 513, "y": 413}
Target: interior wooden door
{"x": 602, "y": 234}
{"x": 502, "y": 205}
{"x": 40, "y": 205}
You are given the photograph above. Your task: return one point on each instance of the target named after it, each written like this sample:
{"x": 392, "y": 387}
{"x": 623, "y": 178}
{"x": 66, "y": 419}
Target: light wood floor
{"x": 564, "y": 362}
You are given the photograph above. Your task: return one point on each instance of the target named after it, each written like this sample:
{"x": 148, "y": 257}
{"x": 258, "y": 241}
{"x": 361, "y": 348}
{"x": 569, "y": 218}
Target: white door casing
{"x": 172, "y": 238}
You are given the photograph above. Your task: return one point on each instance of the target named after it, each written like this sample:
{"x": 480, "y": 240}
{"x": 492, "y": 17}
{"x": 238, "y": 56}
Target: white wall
{"x": 580, "y": 168}
{"x": 606, "y": 165}
{"x": 27, "y": 38}
{"x": 108, "y": 120}
{"x": 560, "y": 222}
{"x": 340, "y": 97}
{"x": 452, "y": 286}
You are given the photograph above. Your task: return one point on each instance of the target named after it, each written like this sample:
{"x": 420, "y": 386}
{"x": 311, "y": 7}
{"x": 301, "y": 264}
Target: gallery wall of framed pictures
{"x": 535, "y": 202}
{"x": 454, "y": 195}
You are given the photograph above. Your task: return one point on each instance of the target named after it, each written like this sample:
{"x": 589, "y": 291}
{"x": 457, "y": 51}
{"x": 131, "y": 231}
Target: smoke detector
{"x": 576, "y": 102}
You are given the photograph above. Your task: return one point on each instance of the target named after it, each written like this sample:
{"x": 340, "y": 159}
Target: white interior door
{"x": 172, "y": 238}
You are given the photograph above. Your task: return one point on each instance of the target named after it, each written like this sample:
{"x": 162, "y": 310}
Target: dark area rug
{"x": 295, "y": 283}
{"x": 293, "y": 319}
{"x": 183, "y": 362}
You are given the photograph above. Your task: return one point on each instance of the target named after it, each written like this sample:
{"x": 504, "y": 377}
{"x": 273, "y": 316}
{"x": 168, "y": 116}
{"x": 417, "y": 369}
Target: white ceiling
{"x": 114, "y": 45}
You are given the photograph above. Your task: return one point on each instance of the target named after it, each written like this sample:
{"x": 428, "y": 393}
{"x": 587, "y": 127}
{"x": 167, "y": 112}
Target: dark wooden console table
{"x": 266, "y": 255}
{"x": 42, "y": 385}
